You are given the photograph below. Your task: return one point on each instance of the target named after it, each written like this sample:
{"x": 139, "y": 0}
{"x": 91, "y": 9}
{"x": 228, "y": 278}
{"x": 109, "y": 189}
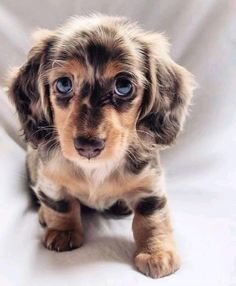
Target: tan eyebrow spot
{"x": 70, "y": 67}
{"x": 112, "y": 68}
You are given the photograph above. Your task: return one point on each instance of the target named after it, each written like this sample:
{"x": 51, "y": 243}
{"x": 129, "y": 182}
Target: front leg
{"x": 59, "y": 213}
{"x": 156, "y": 254}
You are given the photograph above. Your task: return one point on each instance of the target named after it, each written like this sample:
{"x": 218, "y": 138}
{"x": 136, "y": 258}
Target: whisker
{"x": 46, "y": 128}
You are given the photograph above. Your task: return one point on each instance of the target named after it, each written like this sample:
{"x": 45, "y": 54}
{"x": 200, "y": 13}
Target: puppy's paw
{"x": 58, "y": 240}
{"x": 119, "y": 208}
{"x": 157, "y": 265}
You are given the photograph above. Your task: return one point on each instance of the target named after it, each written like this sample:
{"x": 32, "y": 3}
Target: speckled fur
{"x": 92, "y": 51}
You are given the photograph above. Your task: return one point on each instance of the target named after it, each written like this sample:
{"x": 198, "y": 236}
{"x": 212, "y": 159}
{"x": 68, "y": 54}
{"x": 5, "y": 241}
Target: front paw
{"x": 158, "y": 264}
{"x": 58, "y": 240}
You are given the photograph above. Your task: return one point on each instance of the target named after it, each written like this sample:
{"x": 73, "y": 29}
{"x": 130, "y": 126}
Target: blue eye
{"x": 123, "y": 87}
{"x": 64, "y": 85}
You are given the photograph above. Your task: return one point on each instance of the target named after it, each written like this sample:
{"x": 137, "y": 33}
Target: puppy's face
{"x": 101, "y": 85}
{"x": 95, "y": 94}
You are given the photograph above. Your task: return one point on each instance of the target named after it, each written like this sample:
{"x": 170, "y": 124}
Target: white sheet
{"x": 200, "y": 169}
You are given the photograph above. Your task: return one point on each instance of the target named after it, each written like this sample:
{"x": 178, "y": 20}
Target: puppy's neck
{"x": 94, "y": 171}
{"x": 99, "y": 172}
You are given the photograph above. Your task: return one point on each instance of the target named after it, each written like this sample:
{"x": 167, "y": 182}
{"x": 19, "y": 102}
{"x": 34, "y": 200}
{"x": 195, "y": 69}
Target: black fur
{"x": 147, "y": 206}
{"x": 134, "y": 163}
{"x": 119, "y": 208}
{"x": 63, "y": 100}
{"x": 61, "y": 206}
{"x": 98, "y": 55}
{"x": 89, "y": 117}
{"x": 122, "y": 104}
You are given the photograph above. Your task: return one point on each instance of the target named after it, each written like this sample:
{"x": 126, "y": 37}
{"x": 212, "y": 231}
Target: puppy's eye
{"x": 123, "y": 87}
{"x": 64, "y": 85}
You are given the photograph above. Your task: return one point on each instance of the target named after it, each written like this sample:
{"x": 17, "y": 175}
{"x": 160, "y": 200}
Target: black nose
{"x": 89, "y": 147}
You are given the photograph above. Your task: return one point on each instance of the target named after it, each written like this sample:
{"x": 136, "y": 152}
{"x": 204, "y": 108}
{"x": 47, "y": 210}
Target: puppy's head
{"x": 96, "y": 83}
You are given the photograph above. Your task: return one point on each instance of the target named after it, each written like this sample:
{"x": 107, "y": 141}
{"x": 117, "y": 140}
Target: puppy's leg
{"x": 63, "y": 229}
{"x": 59, "y": 213}
{"x": 156, "y": 254}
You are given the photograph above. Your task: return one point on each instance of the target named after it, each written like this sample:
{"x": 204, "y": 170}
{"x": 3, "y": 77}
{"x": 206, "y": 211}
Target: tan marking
{"x": 113, "y": 68}
{"x": 156, "y": 254}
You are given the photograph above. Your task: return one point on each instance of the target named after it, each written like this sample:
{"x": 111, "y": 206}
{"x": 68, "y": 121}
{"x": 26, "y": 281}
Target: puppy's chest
{"x": 92, "y": 188}
{"x": 99, "y": 195}
{"x": 97, "y": 187}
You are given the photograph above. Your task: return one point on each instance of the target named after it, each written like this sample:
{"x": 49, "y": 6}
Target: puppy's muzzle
{"x": 89, "y": 147}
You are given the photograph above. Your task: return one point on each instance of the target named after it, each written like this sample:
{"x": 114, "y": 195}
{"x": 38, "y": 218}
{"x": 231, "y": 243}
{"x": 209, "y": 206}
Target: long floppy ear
{"x": 167, "y": 94}
{"x": 29, "y": 92}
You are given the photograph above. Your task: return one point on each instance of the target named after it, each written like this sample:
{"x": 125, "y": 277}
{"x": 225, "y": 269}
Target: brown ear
{"x": 167, "y": 94}
{"x": 31, "y": 95}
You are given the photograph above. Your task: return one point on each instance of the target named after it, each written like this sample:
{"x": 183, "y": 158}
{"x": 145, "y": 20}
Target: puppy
{"x": 97, "y": 99}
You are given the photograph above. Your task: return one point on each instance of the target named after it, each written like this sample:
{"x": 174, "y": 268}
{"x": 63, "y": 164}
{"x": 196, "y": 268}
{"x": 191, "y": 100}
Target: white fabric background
{"x": 200, "y": 169}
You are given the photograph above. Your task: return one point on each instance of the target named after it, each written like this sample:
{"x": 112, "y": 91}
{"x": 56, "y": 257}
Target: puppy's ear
{"x": 30, "y": 93}
{"x": 168, "y": 91}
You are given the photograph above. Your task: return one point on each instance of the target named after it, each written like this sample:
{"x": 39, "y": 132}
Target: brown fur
{"x": 92, "y": 52}
{"x": 63, "y": 231}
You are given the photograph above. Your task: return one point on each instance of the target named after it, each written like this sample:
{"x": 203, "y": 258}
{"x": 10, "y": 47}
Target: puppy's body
{"x": 97, "y": 99}
{"x": 97, "y": 187}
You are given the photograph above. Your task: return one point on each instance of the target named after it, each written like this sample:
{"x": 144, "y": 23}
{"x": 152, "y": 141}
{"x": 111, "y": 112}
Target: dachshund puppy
{"x": 97, "y": 99}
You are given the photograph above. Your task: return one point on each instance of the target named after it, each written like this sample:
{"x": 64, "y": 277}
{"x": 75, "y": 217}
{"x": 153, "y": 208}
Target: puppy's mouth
{"x": 89, "y": 147}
